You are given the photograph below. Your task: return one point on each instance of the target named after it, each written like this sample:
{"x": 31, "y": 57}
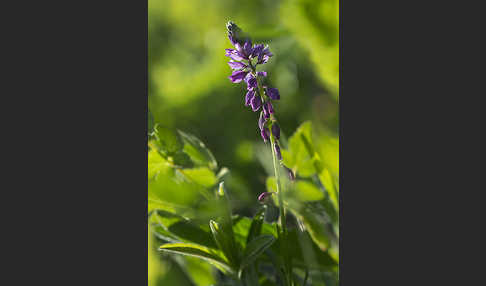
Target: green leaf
{"x": 168, "y": 140}
{"x": 204, "y": 253}
{"x": 316, "y": 225}
{"x": 181, "y": 228}
{"x": 255, "y": 248}
{"x": 202, "y": 176}
{"x": 328, "y": 182}
{"x": 256, "y": 224}
{"x": 156, "y": 164}
{"x": 300, "y": 155}
{"x": 305, "y": 191}
{"x": 223, "y": 236}
{"x": 198, "y": 152}
{"x": 182, "y": 160}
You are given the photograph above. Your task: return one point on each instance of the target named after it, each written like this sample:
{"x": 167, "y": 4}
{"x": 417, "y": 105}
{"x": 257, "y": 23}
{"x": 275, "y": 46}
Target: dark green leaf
{"x": 223, "y": 236}
{"x": 255, "y": 248}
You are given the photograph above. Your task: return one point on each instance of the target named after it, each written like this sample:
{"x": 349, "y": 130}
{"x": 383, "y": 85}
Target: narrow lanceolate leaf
{"x": 255, "y": 248}
{"x": 198, "y": 251}
{"x": 256, "y": 225}
{"x": 225, "y": 241}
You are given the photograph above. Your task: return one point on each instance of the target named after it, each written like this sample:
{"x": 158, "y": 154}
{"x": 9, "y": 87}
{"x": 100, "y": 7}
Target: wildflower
{"x": 273, "y": 93}
{"x": 256, "y": 102}
{"x": 262, "y": 121}
{"x": 267, "y": 109}
{"x": 234, "y": 55}
{"x": 249, "y": 96}
{"x": 265, "y": 134}
{"x": 237, "y": 76}
{"x": 251, "y": 81}
{"x": 276, "y": 130}
{"x": 236, "y": 65}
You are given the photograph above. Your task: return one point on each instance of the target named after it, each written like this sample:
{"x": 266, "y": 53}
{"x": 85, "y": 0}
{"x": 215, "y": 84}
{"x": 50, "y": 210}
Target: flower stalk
{"x": 244, "y": 60}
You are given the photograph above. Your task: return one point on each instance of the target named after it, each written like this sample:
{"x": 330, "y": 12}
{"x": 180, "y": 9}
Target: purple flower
{"x": 236, "y": 65}
{"x": 263, "y": 196}
{"x": 256, "y": 102}
{"x": 264, "y": 55}
{"x": 247, "y": 49}
{"x": 262, "y": 121}
{"x": 265, "y": 134}
{"x": 277, "y": 150}
{"x": 237, "y": 76}
{"x": 234, "y": 55}
{"x": 257, "y": 49}
{"x": 273, "y": 93}
{"x": 266, "y": 113}
{"x": 268, "y": 109}
{"x": 249, "y": 96}
{"x": 262, "y": 73}
{"x": 251, "y": 81}
{"x": 276, "y": 130}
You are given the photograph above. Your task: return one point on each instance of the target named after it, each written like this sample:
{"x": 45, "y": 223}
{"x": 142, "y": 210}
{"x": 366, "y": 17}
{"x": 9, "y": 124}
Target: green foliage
{"x": 211, "y": 256}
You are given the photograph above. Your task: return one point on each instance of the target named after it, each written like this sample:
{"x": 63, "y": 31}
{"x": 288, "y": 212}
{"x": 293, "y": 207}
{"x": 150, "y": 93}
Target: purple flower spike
{"x": 237, "y": 76}
{"x": 236, "y": 65}
{"x": 262, "y": 121}
{"x": 265, "y": 134}
{"x": 249, "y": 96}
{"x": 263, "y": 196}
{"x": 273, "y": 93}
{"x": 276, "y": 130}
{"x": 290, "y": 173}
{"x": 256, "y": 102}
{"x": 277, "y": 150}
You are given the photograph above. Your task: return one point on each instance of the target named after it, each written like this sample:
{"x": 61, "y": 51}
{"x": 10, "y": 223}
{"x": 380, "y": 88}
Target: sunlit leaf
{"x": 211, "y": 256}
{"x": 203, "y": 176}
{"x": 167, "y": 141}
{"x": 198, "y": 151}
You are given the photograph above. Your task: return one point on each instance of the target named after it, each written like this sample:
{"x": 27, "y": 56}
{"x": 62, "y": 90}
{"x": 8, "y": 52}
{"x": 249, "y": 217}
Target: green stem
{"x": 283, "y": 234}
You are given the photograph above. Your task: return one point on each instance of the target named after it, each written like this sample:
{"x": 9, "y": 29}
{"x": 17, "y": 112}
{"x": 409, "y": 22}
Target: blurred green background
{"x": 189, "y": 87}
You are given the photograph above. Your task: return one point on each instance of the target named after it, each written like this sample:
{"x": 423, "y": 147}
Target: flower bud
{"x": 249, "y": 96}
{"x": 256, "y": 102}
{"x": 276, "y": 130}
{"x": 263, "y": 197}
{"x": 265, "y": 134}
{"x": 273, "y": 93}
{"x": 262, "y": 121}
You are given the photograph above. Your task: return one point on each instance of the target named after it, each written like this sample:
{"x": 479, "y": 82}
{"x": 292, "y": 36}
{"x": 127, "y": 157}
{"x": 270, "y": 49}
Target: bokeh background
{"x": 189, "y": 88}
